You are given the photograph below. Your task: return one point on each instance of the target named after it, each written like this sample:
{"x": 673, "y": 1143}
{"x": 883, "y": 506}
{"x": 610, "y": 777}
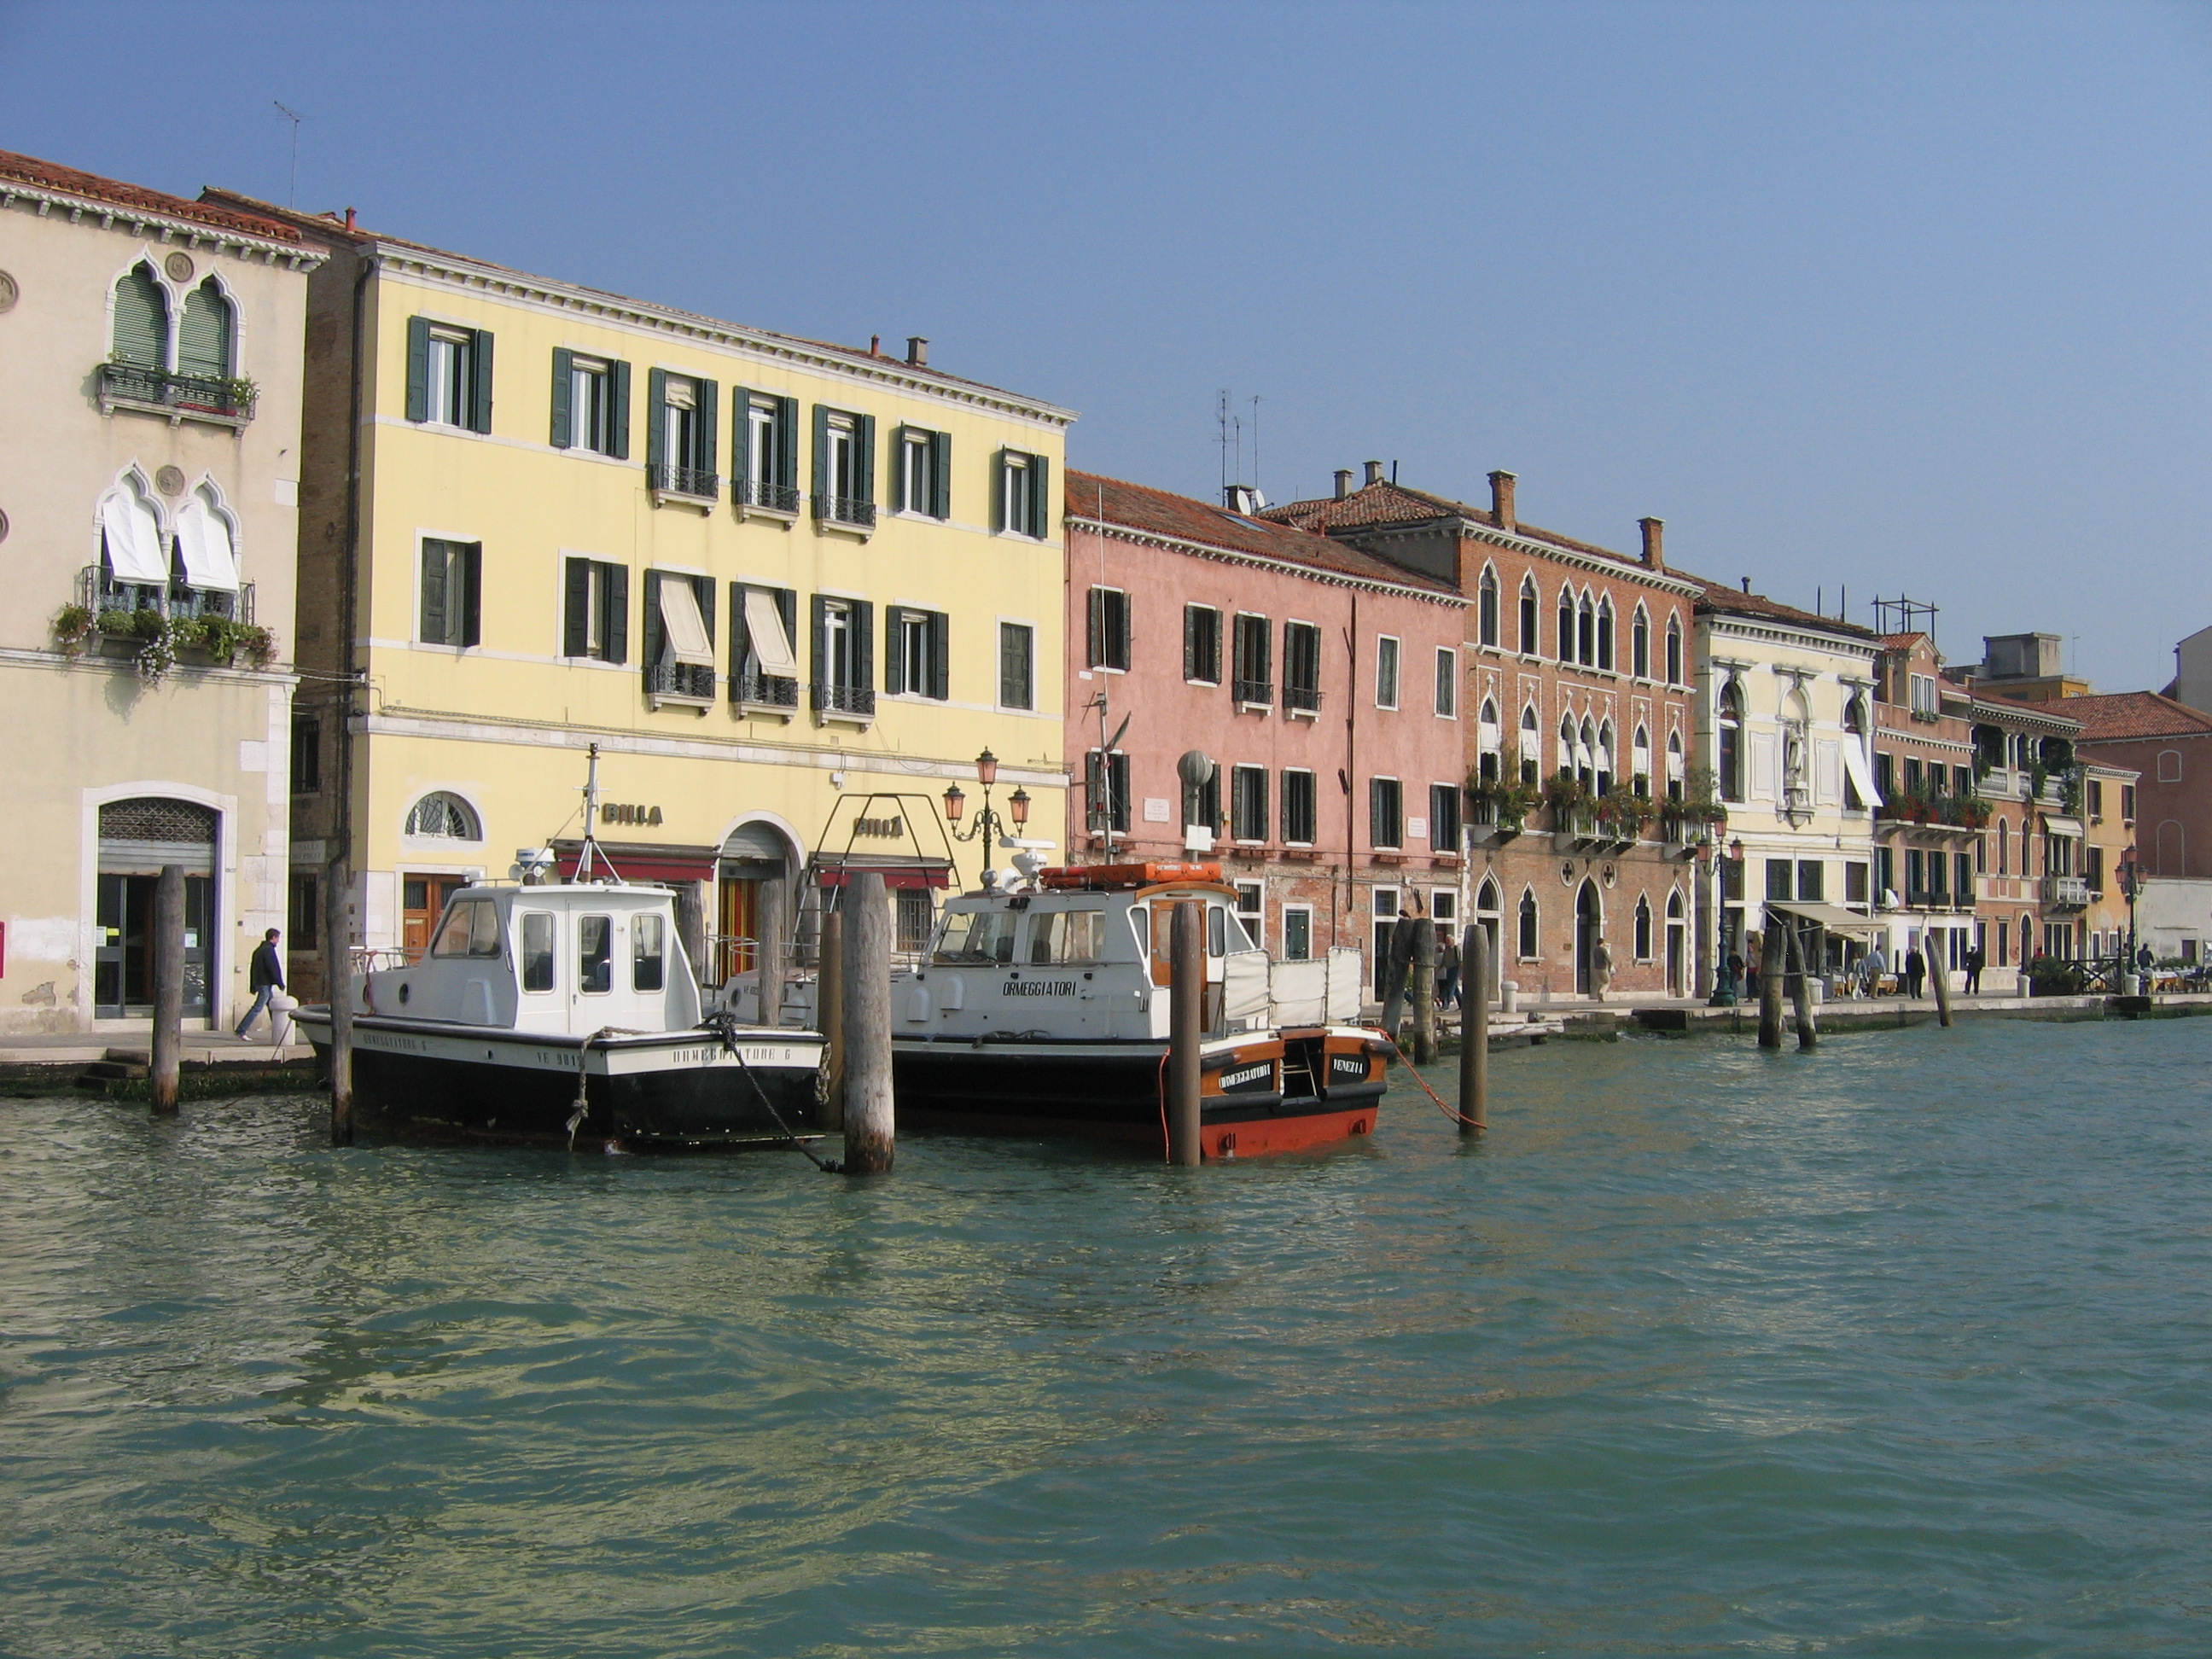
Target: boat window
{"x": 471, "y": 930}
{"x": 1217, "y": 930}
{"x": 1140, "y": 919}
{"x": 977, "y": 936}
{"x": 537, "y": 951}
{"x": 595, "y": 953}
{"x": 1067, "y": 936}
{"x": 646, "y": 955}
{"x": 1240, "y": 936}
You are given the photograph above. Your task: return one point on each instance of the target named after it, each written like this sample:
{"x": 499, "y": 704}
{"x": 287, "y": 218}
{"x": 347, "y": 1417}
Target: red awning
{"x": 655, "y": 864}
{"x": 907, "y": 876}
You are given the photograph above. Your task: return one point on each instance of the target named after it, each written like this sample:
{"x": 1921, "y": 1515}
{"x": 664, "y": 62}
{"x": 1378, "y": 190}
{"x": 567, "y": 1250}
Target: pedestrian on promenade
{"x": 1446, "y": 968}
{"x": 1974, "y": 972}
{"x": 1754, "y": 949}
{"x": 265, "y": 978}
{"x": 1600, "y": 969}
{"x": 1877, "y": 969}
{"x": 1916, "y": 972}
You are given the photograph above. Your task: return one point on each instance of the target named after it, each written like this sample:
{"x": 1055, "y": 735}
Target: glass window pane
{"x": 646, "y": 953}
{"x": 537, "y": 951}
{"x": 595, "y": 954}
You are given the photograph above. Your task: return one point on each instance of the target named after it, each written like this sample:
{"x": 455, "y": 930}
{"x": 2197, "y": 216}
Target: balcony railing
{"x": 1255, "y": 692}
{"x": 208, "y": 397}
{"x": 832, "y": 698}
{"x": 97, "y": 592}
{"x": 766, "y": 691}
{"x": 698, "y": 484}
{"x": 694, "y": 681}
{"x": 2066, "y": 892}
{"x": 774, "y": 497}
{"x": 845, "y": 509}
{"x": 1301, "y": 699}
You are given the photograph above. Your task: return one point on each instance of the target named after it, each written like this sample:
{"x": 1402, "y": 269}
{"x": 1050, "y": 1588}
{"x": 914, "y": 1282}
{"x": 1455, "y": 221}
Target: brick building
{"x": 1927, "y": 826}
{"x": 2170, "y": 745}
{"x": 2031, "y": 893}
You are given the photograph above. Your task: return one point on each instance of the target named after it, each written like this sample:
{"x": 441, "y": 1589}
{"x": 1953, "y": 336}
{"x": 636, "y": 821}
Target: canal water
{"x": 1899, "y": 1348}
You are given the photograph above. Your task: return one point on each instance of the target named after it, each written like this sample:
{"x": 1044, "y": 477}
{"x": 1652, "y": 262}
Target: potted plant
{"x": 74, "y": 628}
{"x": 1623, "y": 813}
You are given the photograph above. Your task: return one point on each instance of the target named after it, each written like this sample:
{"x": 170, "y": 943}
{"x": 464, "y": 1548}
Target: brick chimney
{"x": 1374, "y": 472}
{"x": 1655, "y": 530}
{"x": 1343, "y": 482}
{"x": 1501, "y": 499}
{"x": 917, "y": 351}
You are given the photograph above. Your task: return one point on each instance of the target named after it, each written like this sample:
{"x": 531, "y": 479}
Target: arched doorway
{"x": 1588, "y": 918}
{"x": 756, "y": 865}
{"x": 137, "y": 838}
{"x": 1489, "y": 916}
{"x": 1677, "y": 947}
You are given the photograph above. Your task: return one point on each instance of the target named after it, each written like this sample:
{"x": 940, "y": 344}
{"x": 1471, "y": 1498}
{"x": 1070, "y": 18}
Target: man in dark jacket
{"x": 1974, "y": 972}
{"x": 265, "y": 978}
{"x": 1916, "y": 971}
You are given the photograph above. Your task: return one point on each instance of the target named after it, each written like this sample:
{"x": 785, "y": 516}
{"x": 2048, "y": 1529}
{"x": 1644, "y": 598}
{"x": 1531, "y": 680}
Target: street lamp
{"x": 2131, "y": 874}
{"x": 1725, "y": 992}
{"x": 989, "y": 825}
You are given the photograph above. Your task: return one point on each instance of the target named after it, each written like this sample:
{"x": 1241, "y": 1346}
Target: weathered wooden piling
{"x": 1800, "y": 990}
{"x": 1185, "y": 1028}
{"x": 1424, "y": 994}
{"x": 771, "y": 970}
{"x": 169, "y": 987}
{"x": 338, "y": 953}
{"x": 870, "y": 1122}
{"x": 1773, "y": 965}
{"x": 1942, "y": 976}
{"x": 829, "y": 981}
{"x": 1474, "y": 1033}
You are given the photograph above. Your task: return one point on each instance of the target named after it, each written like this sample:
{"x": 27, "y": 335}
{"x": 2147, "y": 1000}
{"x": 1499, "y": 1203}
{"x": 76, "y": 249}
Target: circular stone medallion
{"x": 179, "y": 267}
{"x": 8, "y": 292}
{"x": 170, "y": 481}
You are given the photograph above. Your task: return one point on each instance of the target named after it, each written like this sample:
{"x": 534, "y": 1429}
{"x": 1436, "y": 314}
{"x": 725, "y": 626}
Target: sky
{"x": 1876, "y": 299}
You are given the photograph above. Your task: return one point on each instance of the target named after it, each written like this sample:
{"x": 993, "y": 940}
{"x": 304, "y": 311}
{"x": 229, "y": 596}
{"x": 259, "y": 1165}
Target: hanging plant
{"x": 158, "y": 655}
{"x": 74, "y": 628}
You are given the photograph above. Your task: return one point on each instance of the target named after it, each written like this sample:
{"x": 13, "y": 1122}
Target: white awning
{"x": 686, "y": 630}
{"x": 1832, "y": 917}
{"x": 134, "y": 541}
{"x": 771, "y": 645}
{"x": 203, "y": 539}
{"x": 2058, "y": 826}
{"x": 1485, "y": 738}
{"x": 1861, "y": 779}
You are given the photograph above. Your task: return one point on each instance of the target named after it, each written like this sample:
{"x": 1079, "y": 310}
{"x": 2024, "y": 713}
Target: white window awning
{"x": 1486, "y": 738}
{"x": 771, "y": 644}
{"x": 2058, "y": 826}
{"x": 1862, "y": 779}
{"x": 686, "y": 628}
{"x": 134, "y": 541}
{"x": 203, "y": 540}
{"x": 1834, "y": 918}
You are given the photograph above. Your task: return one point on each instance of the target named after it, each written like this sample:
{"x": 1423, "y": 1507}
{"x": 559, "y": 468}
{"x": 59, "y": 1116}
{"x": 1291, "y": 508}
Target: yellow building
{"x": 757, "y": 571}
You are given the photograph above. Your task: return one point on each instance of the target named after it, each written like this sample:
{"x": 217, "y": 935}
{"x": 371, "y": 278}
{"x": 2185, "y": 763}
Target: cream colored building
{"x": 759, "y": 572}
{"x": 151, "y": 350}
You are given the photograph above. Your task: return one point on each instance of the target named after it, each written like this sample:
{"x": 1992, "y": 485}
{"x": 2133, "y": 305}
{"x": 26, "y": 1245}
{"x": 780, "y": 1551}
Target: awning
{"x": 1855, "y": 768}
{"x": 1832, "y": 917}
{"x": 771, "y": 645}
{"x": 2058, "y": 826}
{"x": 203, "y": 539}
{"x": 686, "y": 630}
{"x": 134, "y": 541}
{"x": 643, "y": 861}
{"x": 900, "y": 874}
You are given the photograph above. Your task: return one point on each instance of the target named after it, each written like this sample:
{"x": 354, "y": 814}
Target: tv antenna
{"x": 292, "y": 197}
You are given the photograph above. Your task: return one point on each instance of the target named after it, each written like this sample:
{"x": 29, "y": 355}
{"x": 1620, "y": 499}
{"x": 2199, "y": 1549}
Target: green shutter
{"x": 741, "y": 435}
{"x": 864, "y": 487}
{"x": 703, "y": 589}
{"x": 203, "y": 333}
{"x": 418, "y": 368}
{"x": 818, "y": 662}
{"x": 998, "y": 491}
{"x": 576, "y": 622}
{"x": 1095, "y": 634}
{"x": 940, "y": 667}
{"x": 618, "y": 628}
{"x": 480, "y": 373}
{"x": 704, "y": 436}
{"x": 618, "y": 410}
{"x": 142, "y": 319}
{"x": 821, "y": 451}
{"x": 864, "y": 644}
{"x": 656, "y": 399}
{"x": 1040, "y": 497}
{"x": 652, "y": 625}
{"x": 894, "y": 657}
{"x": 786, "y": 442}
{"x": 940, "y": 475}
{"x": 564, "y": 373}
{"x": 436, "y": 568}
{"x": 899, "y": 502}
{"x": 471, "y": 579}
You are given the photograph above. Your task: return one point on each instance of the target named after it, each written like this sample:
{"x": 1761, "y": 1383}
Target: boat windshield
{"x": 977, "y": 936}
{"x": 471, "y": 930}
{"x": 1067, "y": 935}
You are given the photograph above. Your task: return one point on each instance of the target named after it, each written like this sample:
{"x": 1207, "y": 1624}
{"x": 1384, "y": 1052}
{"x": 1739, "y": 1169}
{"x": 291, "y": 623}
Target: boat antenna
{"x": 592, "y": 850}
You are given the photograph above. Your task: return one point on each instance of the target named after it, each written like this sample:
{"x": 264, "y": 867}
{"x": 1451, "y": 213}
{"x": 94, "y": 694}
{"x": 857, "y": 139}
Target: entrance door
{"x": 737, "y": 923}
{"x": 422, "y": 900}
{"x": 123, "y": 959}
{"x": 1676, "y": 963}
{"x": 1586, "y": 921}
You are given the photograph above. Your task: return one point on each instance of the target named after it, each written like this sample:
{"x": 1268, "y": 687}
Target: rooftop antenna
{"x": 1259, "y": 499}
{"x": 292, "y": 197}
{"x": 1221, "y": 423}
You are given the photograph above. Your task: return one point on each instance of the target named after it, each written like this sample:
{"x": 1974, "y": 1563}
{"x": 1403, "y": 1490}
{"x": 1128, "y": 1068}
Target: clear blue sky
{"x": 1908, "y": 298}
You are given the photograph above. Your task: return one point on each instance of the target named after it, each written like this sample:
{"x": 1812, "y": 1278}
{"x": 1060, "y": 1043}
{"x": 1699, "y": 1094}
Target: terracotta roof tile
{"x": 1735, "y": 602}
{"x": 1389, "y": 503}
{"x": 2118, "y": 714}
{"x": 69, "y": 182}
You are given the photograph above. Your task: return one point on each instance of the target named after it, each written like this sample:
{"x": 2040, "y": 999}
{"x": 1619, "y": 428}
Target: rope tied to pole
{"x": 725, "y": 1026}
{"x": 1453, "y": 1113}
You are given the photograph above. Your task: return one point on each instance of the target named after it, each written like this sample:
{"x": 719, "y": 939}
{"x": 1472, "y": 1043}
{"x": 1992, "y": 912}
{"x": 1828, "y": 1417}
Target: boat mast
{"x": 591, "y": 849}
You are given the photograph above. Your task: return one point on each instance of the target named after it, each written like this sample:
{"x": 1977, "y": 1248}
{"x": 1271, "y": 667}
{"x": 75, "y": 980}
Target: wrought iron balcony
{"x": 767, "y": 690}
{"x": 97, "y": 592}
{"x": 1301, "y": 699}
{"x": 773, "y": 497}
{"x": 845, "y": 509}
{"x": 195, "y": 397}
{"x": 832, "y": 698}
{"x": 693, "y": 681}
{"x": 695, "y": 483}
{"x": 1254, "y": 692}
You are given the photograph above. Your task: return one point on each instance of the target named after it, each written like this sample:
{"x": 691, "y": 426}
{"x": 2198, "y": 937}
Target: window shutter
{"x": 940, "y": 665}
{"x": 708, "y": 442}
{"x": 940, "y": 475}
{"x": 703, "y": 589}
{"x": 653, "y": 642}
{"x": 865, "y": 485}
{"x": 617, "y": 630}
{"x": 576, "y": 628}
{"x": 821, "y": 450}
{"x": 418, "y": 368}
{"x": 142, "y": 319}
{"x": 998, "y": 491}
{"x": 564, "y": 362}
{"x": 864, "y": 644}
{"x": 1263, "y": 638}
{"x": 741, "y": 433}
{"x": 786, "y": 603}
{"x": 899, "y": 502}
{"x": 434, "y": 566}
{"x": 1040, "y": 525}
{"x": 786, "y": 442}
{"x": 893, "y": 656}
{"x": 203, "y": 333}
{"x": 618, "y": 410}
{"x": 471, "y": 575}
{"x": 1094, "y": 644}
{"x": 480, "y": 364}
{"x": 1190, "y": 642}
{"x": 740, "y": 636}
{"x": 656, "y": 398}
{"x": 818, "y": 664}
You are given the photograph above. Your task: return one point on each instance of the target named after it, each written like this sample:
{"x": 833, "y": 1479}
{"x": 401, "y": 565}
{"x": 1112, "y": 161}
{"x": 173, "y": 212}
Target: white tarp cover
{"x": 1855, "y": 768}
{"x": 1347, "y": 984}
{"x": 686, "y": 630}
{"x": 1300, "y": 991}
{"x": 1244, "y": 985}
{"x": 1833, "y": 917}
{"x": 203, "y": 539}
{"x": 134, "y": 540}
{"x": 771, "y": 645}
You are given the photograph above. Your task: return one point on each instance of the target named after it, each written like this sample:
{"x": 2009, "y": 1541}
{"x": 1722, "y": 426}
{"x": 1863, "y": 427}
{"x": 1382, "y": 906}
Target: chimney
{"x": 1501, "y": 499}
{"x": 1746, "y": 584}
{"x": 1654, "y": 530}
{"x": 1375, "y": 472}
{"x": 875, "y": 345}
{"x": 1343, "y": 482}
{"x": 348, "y": 218}
{"x": 917, "y": 351}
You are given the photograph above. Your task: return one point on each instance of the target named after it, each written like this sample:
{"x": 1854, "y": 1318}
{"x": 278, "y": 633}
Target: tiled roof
{"x": 69, "y": 182}
{"x": 1388, "y": 503}
{"x": 1139, "y": 507}
{"x": 1735, "y": 602}
{"x": 2116, "y": 714}
{"x": 1900, "y": 641}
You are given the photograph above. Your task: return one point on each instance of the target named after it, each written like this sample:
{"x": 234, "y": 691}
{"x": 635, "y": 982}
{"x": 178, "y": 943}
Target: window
{"x": 915, "y": 652}
{"x": 1913, "y": 774}
{"x": 763, "y": 661}
{"x": 973, "y": 936}
{"x": 844, "y": 671}
{"x": 1106, "y": 793}
{"x": 1639, "y": 645}
{"x": 1923, "y": 697}
{"x": 1962, "y": 780}
{"x": 914, "y": 918}
{"x": 1731, "y": 736}
{"x": 448, "y": 375}
{"x": 142, "y": 319}
{"x": 444, "y": 817}
{"x": 1916, "y": 875}
{"x": 1386, "y": 813}
{"x": 1254, "y": 671}
{"x": 1526, "y": 942}
{"x": 1444, "y": 816}
{"x": 1531, "y": 644}
{"x": 591, "y": 403}
{"x": 1301, "y": 668}
{"x": 1251, "y": 906}
{"x": 1023, "y": 496}
{"x": 2093, "y": 868}
{"x": 1446, "y": 681}
{"x": 1386, "y": 672}
{"x": 1812, "y": 880}
{"x": 679, "y": 635}
{"x": 1674, "y": 651}
{"x": 1605, "y": 633}
{"x": 1677, "y": 771}
{"x": 766, "y": 459}
{"x": 306, "y": 911}
{"x": 1017, "y": 666}
{"x": 1301, "y": 805}
{"x": 925, "y": 472}
{"x": 1531, "y": 746}
{"x": 1248, "y": 803}
{"x": 844, "y": 467}
{"x": 1566, "y": 625}
{"x": 596, "y": 620}
{"x": 452, "y": 593}
{"x": 647, "y": 952}
{"x": 1201, "y": 644}
{"x": 470, "y": 929}
{"x": 680, "y": 442}
{"x": 1201, "y": 807}
{"x": 2005, "y": 850}
{"x": 1107, "y": 638}
{"x": 306, "y": 754}
{"x": 203, "y": 333}
{"x": 1297, "y": 932}
{"x": 1643, "y": 928}
{"x": 2128, "y": 802}
{"x": 537, "y": 951}
{"x": 1602, "y": 752}
{"x": 1639, "y": 764}
{"x": 1885, "y": 774}
{"x": 2096, "y": 794}
{"x": 2169, "y": 766}
{"x": 595, "y": 955}
{"x": 1486, "y": 608}
{"x": 1781, "y": 878}
{"x": 1065, "y": 936}
{"x": 1962, "y": 865}
{"x": 1855, "y": 883}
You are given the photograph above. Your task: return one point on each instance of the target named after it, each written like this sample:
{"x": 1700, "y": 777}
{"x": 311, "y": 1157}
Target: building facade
{"x": 761, "y": 575}
{"x": 152, "y": 431}
{"x": 1930, "y": 815}
{"x": 2108, "y": 817}
{"x": 2032, "y": 893}
{"x": 1322, "y": 683}
{"x": 2168, "y": 744}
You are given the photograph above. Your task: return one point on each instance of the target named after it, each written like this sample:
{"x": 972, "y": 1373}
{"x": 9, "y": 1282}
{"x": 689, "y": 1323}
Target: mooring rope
{"x": 1452, "y": 1113}
{"x": 730, "y": 1044}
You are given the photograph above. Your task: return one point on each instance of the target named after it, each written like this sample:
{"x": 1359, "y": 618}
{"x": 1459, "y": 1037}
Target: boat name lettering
{"x": 1352, "y": 1065}
{"x": 1038, "y": 988}
{"x": 1260, "y": 1074}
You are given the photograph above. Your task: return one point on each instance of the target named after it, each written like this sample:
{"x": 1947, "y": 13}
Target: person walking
{"x": 1601, "y": 969}
{"x": 1974, "y": 972}
{"x": 265, "y": 978}
{"x": 1446, "y": 968}
{"x": 1916, "y": 972}
{"x": 1877, "y": 969}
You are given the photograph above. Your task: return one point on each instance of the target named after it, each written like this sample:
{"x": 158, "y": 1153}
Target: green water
{"x": 1900, "y": 1348}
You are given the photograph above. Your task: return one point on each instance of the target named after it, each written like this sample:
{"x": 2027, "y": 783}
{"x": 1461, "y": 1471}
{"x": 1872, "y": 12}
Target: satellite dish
{"x": 1196, "y": 769}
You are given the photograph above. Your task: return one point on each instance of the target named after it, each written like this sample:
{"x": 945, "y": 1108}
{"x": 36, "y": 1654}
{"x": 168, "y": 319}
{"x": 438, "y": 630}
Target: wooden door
{"x": 738, "y": 923}
{"x": 422, "y": 900}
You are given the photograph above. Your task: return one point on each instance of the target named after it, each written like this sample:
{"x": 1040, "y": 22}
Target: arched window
{"x": 1586, "y": 633}
{"x": 1488, "y": 900}
{"x": 1675, "y": 905}
{"x": 1486, "y": 610}
{"x": 2169, "y": 766}
{"x": 1643, "y": 928}
{"x": 1566, "y": 624}
{"x": 142, "y": 319}
{"x": 133, "y": 553}
{"x": 1674, "y": 651}
{"x": 1605, "y": 633}
{"x": 1855, "y": 714}
{"x": 2005, "y": 850}
{"x": 1566, "y": 745}
{"x": 1487, "y": 740}
{"x": 1531, "y": 745}
{"x": 1532, "y": 644}
{"x": 1528, "y": 930}
{"x": 1586, "y": 757}
{"x": 1730, "y": 734}
{"x": 207, "y": 552}
{"x": 1640, "y": 762}
{"x": 1604, "y": 757}
{"x": 1675, "y": 770}
{"x": 444, "y": 817}
{"x": 1639, "y": 643}
{"x": 203, "y": 334}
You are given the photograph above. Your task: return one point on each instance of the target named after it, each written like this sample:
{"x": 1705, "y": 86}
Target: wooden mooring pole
{"x": 870, "y": 1119}
{"x": 169, "y": 987}
{"x": 1800, "y": 990}
{"x": 1941, "y": 974}
{"x": 1185, "y": 1028}
{"x": 1425, "y": 995}
{"x": 1474, "y": 1032}
{"x": 1773, "y": 966}
{"x": 772, "y": 935}
{"x": 338, "y": 958}
{"x": 830, "y": 987}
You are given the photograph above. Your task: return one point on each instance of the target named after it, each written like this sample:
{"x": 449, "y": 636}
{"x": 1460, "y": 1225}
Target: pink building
{"x": 1326, "y": 684}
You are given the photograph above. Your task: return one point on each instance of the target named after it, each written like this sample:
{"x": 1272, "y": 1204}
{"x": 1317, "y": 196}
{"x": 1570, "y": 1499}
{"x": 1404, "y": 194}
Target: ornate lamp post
{"x": 988, "y": 826}
{"x": 2130, "y": 873}
{"x": 1726, "y": 993}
